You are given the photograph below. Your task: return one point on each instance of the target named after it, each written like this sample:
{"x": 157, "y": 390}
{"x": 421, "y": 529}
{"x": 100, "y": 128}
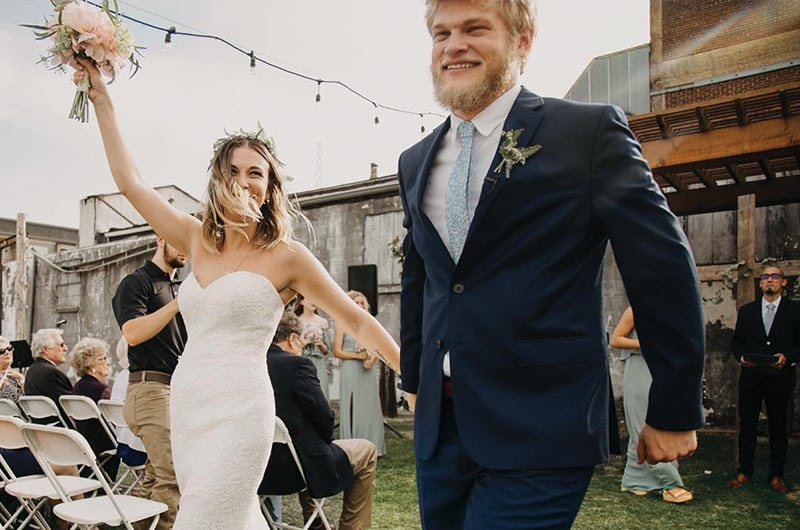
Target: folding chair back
{"x": 282, "y": 436}
{"x": 10, "y": 408}
{"x": 82, "y": 408}
{"x": 11, "y": 432}
{"x": 53, "y": 445}
{"x": 112, "y": 412}
{"x": 31, "y": 487}
{"x": 41, "y": 408}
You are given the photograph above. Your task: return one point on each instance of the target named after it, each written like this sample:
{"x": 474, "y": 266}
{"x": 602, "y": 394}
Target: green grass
{"x": 752, "y": 507}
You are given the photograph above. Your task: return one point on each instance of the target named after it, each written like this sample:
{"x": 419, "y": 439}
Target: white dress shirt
{"x": 488, "y": 129}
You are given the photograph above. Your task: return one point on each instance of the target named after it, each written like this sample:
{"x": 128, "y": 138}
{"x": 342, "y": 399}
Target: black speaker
{"x": 364, "y": 278}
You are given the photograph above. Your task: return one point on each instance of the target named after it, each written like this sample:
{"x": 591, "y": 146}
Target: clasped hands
{"x": 779, "y": 363}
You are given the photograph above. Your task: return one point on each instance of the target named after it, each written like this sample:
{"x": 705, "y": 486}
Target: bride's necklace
{"x": 235, "y": 268}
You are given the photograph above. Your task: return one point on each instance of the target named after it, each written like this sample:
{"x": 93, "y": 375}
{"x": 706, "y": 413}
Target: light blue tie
{"x": 769, "y": 317}
{"x": 456, "y": 207}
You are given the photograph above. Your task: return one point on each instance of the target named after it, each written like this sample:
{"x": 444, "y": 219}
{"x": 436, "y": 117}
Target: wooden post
{"x": 746, "y": 247}
{"x": 745, "y": 288}
{"x": 21, "y": 280}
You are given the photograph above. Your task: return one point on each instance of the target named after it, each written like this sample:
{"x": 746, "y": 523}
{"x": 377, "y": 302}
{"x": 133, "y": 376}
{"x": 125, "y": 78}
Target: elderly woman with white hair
{"x": 89, "y": 359}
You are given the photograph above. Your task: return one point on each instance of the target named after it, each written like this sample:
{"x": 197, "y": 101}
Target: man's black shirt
{"x": 142, "y": 292}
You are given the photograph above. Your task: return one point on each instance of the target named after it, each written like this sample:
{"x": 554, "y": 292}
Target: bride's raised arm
{"x": 177, "y": 227}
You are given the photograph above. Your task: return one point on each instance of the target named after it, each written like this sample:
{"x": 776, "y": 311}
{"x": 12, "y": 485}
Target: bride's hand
{"x": 97, "y": 90}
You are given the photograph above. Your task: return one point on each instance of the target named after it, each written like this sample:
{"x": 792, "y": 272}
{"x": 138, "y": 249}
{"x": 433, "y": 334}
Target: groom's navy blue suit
{"x": 521, "y": 313}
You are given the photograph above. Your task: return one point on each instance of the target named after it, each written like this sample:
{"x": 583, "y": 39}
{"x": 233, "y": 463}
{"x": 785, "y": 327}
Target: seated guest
{"x": 329, "y": 466}
{"x": 43, "y": 378}
{"x": 130, "y": 447}
{"x": 89, "y": 359}
{"x": 21, "y": 461}
{"x": 10, "y": 380}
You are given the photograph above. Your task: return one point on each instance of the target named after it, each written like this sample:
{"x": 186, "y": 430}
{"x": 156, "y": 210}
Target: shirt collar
{"x": 775, "y": 302}
{"x": 493, "y": 116}
{"x": 155, "y": 271}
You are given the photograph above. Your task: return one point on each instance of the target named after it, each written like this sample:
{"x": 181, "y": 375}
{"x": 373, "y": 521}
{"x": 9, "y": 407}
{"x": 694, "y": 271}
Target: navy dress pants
{"x": 456, "y": 493}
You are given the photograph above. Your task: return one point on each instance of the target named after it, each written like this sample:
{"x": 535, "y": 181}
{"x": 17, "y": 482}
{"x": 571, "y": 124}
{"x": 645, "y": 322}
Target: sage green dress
{"x": 359, "y": 400}
{"x": 636, "y": 387}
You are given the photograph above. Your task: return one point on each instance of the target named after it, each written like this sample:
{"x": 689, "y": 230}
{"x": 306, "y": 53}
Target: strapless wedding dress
{"x": 222, "y": 407}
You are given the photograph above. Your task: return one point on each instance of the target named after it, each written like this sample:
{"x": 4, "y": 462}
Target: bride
{"x": 246, "y": 266}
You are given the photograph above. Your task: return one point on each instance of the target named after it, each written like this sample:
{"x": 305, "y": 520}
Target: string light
{"x": 172, "y": 30}
{"x": 377, "y": 120}
{"x": 421, "y": 124}
{"x": 168, "y": 37}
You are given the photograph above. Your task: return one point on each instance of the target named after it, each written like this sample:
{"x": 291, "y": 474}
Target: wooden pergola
{"x": 735, "y": 153}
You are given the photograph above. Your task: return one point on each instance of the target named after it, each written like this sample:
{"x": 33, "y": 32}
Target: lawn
{"x": 752, "y": 507}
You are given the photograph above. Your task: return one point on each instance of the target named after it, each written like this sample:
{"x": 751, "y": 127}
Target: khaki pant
{"x": 147, "y": 413}
{"x": 357, "y": 501}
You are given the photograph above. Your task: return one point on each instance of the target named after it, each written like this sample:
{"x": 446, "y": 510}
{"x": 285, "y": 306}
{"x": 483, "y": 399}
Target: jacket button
{"x": 439, "y": 344}
{"x": 458, "y": 288}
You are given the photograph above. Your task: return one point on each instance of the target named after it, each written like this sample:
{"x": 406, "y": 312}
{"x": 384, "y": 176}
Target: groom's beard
{"x": 476, "y": 95}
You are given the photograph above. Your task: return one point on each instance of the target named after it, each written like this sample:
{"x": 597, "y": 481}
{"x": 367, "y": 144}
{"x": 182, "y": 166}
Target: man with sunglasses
{"x": 766, "y": 343}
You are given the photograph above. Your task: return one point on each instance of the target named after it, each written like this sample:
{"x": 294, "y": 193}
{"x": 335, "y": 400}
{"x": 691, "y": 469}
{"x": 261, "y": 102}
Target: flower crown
{"x": 258, "y": 136}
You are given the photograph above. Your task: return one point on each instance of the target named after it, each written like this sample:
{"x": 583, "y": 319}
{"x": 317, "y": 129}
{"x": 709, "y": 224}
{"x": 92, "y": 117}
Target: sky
{"x": 189, "y": 94}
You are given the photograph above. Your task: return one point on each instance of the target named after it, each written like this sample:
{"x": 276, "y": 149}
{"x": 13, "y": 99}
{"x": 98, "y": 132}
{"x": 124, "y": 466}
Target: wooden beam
{"x": 724, "y": 198}
{"x": 746, "y": 246}
{"x": 733, "y": 171}
{"x": 724, "y": 144}
{"x": 672, "y": 180}
{"x": 702, "y": 176}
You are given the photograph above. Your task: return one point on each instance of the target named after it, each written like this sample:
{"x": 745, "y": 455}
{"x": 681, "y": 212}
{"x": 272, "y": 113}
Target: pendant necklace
{"x": 239, "y": 264}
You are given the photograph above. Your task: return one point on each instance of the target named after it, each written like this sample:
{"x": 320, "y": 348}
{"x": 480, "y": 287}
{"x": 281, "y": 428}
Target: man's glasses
{"x": 7, "y": 349}
{"x": 772, "y": 275}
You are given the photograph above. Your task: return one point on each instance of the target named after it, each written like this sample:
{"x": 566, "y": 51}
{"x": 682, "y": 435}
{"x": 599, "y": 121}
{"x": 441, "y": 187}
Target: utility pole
{"x": 21, "y": 280}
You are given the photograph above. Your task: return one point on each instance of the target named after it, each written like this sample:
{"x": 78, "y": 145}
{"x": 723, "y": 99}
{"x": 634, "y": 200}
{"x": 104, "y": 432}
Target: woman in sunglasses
{"x": 10, "y": 380}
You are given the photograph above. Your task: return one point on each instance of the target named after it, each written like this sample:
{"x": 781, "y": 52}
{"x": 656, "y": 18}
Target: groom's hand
{"x": 657, "y": 446}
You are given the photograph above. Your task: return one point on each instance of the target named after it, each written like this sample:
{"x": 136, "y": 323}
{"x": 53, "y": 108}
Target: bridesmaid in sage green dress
{"x": 314, "y": 328}
{"x": 642, "y": 479}
{"x": 359, "y": 400}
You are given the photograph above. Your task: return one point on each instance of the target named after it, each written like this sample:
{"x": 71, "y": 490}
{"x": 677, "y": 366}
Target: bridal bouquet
{"x": 80, "y": 29}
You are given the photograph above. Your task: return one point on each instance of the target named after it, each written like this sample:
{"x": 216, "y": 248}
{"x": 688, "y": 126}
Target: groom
{"x": 502, "y": 336}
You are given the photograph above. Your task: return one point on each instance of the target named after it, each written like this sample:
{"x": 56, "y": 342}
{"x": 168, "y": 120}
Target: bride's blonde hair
{"x": 228, "y": 206}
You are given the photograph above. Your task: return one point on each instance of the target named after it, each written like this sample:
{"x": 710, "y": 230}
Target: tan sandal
{"x": 637, "y": 492}
{"x": 680, "y": 496}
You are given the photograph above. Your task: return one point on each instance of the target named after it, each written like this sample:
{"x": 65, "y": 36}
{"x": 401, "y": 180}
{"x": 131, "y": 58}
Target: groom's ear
{"x": 523, "y": 47}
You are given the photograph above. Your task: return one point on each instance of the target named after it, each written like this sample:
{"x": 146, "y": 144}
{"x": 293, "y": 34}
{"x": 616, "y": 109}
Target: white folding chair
{"x": 112, "y": 412}
{"x": 80, "y": 409}
{"x": 282, "y": 436}
{"x": 41, "y": 408}
{"x": 52, "y": 445}
{"x": 10, "y": 408}
{"x": 27, "y": 489}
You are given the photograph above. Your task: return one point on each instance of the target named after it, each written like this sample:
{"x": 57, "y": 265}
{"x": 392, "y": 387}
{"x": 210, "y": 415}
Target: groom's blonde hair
{"x": 518, "y": 15}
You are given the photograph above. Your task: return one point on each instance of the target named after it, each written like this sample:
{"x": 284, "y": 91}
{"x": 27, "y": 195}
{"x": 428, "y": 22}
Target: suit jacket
{"x": 521, "y": 312}
{"x": 302, "y": 406}
{"x": 43, "y": 378}
{"x": 784, "y": 335}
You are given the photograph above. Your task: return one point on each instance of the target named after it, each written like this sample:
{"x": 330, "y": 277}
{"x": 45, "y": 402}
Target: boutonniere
{"x": 513, "y": 154}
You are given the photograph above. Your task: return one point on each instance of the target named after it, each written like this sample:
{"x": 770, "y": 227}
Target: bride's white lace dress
{"x": 222, "y": 407}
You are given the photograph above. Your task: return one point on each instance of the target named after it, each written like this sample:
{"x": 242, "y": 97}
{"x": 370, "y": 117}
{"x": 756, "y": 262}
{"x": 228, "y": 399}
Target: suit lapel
{"x": 428, "y": 155}
{"x": 525, "y": 114}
